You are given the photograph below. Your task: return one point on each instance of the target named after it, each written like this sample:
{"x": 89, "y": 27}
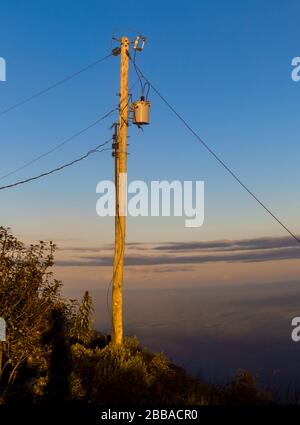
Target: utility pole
{"x": 120, "y": 141}
{"x": 140, "y": 110}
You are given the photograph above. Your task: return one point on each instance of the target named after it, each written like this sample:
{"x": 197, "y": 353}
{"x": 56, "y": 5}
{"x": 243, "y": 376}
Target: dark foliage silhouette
{"x": 60, "y": 358}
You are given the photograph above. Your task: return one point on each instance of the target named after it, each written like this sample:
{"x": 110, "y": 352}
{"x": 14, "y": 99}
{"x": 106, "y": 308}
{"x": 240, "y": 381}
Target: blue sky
{"x": 225, "y": 66}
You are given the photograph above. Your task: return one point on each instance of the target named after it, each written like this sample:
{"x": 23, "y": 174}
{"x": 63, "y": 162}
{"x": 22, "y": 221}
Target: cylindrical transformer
{"x": 141, "y": 110}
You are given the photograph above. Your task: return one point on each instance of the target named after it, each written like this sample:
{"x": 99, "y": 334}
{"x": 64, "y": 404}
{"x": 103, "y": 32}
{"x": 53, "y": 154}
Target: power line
{"x": 227, "y": 168}
{"x": 64, "y": 142}
{"x": 90, "y": 152}
{"x": 59, "y": 145}
{"x": 52, "y": 86}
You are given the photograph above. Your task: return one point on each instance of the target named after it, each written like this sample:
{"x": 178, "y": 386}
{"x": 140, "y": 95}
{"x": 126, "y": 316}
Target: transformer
{"x": 140, "y": 110}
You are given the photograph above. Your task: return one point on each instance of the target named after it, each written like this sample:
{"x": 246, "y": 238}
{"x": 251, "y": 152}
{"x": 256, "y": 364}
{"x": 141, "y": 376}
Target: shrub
{"x": 131, "y": 375}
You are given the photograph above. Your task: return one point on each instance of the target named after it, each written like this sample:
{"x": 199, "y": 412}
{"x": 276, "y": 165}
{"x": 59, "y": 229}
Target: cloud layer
{"x": 189, "y": 253}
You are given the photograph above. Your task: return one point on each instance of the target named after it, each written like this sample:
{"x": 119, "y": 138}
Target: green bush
{"x": 131, "y": 375}
{"x": 243, "y": 390}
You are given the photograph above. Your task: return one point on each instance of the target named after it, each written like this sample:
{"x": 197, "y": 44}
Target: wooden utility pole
{"x": 120, "y": 183}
